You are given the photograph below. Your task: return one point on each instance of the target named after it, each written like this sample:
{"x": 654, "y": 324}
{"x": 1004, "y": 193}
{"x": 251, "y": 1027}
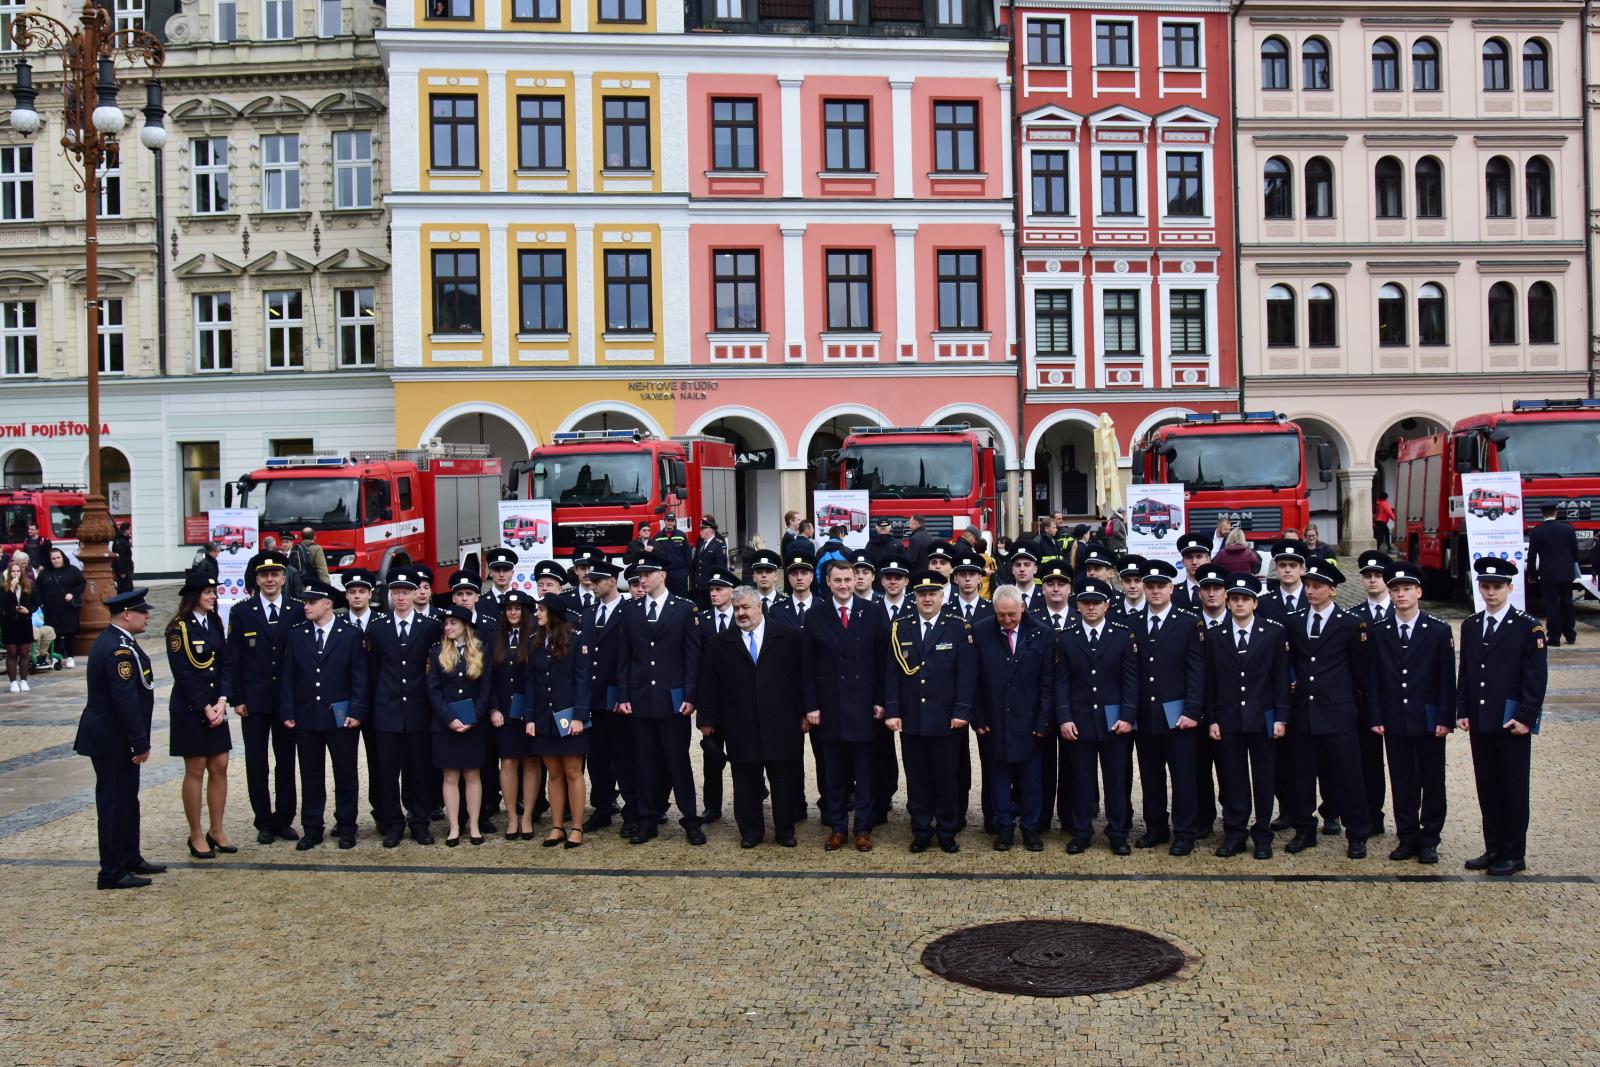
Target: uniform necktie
{"x": 750, "y": 640}
{"x": 405, "y": 632}
{"x": 272, "y": 613}
{"x": 722, "y": 622}
{"x": 1214, "y": 624}
{"x": 1288, "y": 604}
{"x": 1194, "y": 595}
{"x": 650, "y": 616}
{"x": 320, "y": 636}
{"x": 800, "y": 611}
{"x": 969, "y": 612}
{"x": 588, "y": 600}
{"x": 600, "y": 618}
{"x": 1488, "y": 627}
{"x": 1405, "y": 633}
{"x": 844, "y": 616}
{"x": 926, "y": 626}
{"x": 1094, "y": 639}
{"x": 1316, "y": 626}
{"x": 1155, "y": 625}
{"x": 766, "y": 604}
{"x": 1243, "y": 640}
{"x": 513, "y": 639}
{"x": 1056, "y": 620}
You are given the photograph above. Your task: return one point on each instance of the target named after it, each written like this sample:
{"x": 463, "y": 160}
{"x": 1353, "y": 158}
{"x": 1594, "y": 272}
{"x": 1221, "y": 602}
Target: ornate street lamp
{"x": 93, "y": 123}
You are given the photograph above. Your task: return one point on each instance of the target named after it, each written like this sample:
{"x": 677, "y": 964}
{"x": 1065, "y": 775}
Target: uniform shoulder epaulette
{"x": 1116, "y": 624}
{"x": 1270, "y": 622}
{"x": 1183, "y": 612}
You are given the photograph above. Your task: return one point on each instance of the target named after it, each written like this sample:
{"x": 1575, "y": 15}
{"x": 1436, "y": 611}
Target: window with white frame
{"x": 286, "y": 334}
{"x": 330, "y": 17}
{"x": 1047, "y": 42}
{"x": 280, "y": 167}
{"x": 949, "y": 13}
{"x": 113, "y": 353}
{"x": 1119, "y": 183}
{"x": 19, "y": 335}
{"x": 1052, "y": 183}
{"x": 730, "y": 10}
{"x": 1113, "y": 44}
{"x": 1052, "y": 322}
{"x": 841, "y": 10}
{"x": 1186, "y": 322}
{"x": 9, "y": 10}
{"x": 1186, "y": 185}
{"x": 1119, "y": 323}
{"x": 352, "y": 169}
{"x": 356, "y": 315}
{"x": 16, "y": 183}
{"x": 110, "y": 192}
{"x": 209, "y": 168}
{"x": 1180, "y": 45}
{"x": 225, "y": 21}
{"x": 213, "y": 331}
{"x": 130, "y": 14}
{"x": 277, "y": 20}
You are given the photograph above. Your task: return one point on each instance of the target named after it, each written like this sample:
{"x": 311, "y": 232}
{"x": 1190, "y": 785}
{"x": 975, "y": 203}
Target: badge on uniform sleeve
{"x": 176, "y": 643}
{"x": 1538, "y": 635}
{"x": 125, "y": 669}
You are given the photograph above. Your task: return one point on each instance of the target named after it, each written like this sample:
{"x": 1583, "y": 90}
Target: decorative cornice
{"x": 1285, "y": 267}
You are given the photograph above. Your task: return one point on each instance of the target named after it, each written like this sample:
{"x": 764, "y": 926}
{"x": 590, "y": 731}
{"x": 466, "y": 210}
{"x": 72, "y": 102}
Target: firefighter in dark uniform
{"x": 360, "y": 613}
{"x": 710, "y": 557}
{"x": 257, "y": 629}
{"x": 1127, "y": 603}
{"x": 1196, "y": 552}
{"x": 717, "y": 587}
{"x": 611, "y": 762}
{"x": 1211, "y": 580}
{"x": 894, "y": 571}
{"x": 502, "y": 565}
{"x": 765, "y": 567}
{"x": 1413, "y": 693}
{"x": 969, "y": 605}
{"x": 1055, "y": 610}
{"x": 1172, "y": 677}
{"x": 1500, "y": 691}
{"x": 402, "y": 717}
{"x": 549, "y": 578}
{"x": 930, "y": 681}
{"x": 114, "y": 732}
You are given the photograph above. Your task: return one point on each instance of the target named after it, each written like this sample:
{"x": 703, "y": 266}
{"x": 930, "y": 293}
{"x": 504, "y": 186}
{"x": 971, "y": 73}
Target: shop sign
{"x": 64, "y": 428}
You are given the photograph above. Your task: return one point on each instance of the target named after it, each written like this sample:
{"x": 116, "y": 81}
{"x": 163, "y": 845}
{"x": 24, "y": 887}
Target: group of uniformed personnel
{"x": 1219, "y": 687}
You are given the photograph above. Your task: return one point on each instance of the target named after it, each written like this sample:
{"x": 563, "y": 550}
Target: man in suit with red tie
{"x": 1015, "y": 708}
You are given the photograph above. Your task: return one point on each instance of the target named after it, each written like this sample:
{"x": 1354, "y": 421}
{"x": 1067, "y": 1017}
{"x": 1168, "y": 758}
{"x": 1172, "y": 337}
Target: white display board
{"x": 1156, "y": 518}
{"x": 849, "y": 508}
{"x": 1492, "y": 505}
{"x": 527, "y": 529}
{"x": 238, "y": 532}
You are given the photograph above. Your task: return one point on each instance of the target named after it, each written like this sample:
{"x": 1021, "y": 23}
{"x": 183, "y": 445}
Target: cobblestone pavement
{"x": 665, "y": 954}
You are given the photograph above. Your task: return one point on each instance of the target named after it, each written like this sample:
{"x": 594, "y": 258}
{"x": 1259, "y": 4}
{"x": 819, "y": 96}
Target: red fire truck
{"x": 524, "y": 530}
{"x": 1153, "y": 516}
{"x": 1553, "y": 444}
{"x": 378, "y": 510}
{"x": 837, "y": 515}
{"x": 55, "y": 509}
{"x": 602, "y": 483}
{"x": 232, "y": 538}
{"x": 1246, "y": 466}
{"x": 1489, "y": 504}
{"x": 950, "y": 475}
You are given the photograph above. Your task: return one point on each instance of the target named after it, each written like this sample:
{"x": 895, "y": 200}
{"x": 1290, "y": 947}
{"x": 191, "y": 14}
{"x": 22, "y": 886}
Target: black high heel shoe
{"x": 226, "y": 850}
{"x": 478, "y": 840}
{"x": 452, "y": 842}
{"x": 552, "y": 842}
{"x": 570, "y": 843}
{"x": 208, "y": 854}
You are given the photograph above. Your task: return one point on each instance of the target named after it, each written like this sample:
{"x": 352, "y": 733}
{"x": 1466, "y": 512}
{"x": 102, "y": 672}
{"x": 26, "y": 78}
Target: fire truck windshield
{"x": 14, "y": 519}
{"x": 64, "y": 519}
{"x": 1236, "y": 461}
{"x": 593, "y": 478}
{"x": 910, "y": 470}
{"x": 1551, "y": 449}
{"x": 325, "y": 503}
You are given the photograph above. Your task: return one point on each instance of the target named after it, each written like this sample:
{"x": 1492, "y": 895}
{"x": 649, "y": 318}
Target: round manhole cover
{"x": 1051, "y": 957}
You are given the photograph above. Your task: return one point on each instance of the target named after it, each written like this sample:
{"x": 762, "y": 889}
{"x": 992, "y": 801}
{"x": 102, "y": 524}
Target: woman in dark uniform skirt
{"x": 457, "y": 671}
{"x": 197, "y": 654}
{"x": 558, "y": 695}
{"x": 519, "y": 767}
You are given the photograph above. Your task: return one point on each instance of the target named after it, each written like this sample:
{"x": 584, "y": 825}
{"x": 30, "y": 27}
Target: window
{"x": 1113, "y": 44}
{"x": 1047, "y": 43}
{"x": 536, "y": 11}
{"x": 286, "y": 335}
{"x": 541, "y": 133}
{"x": 225, "y": 21}
{"x": 543, "y": 292}
{"x": 844, "y": 135}
{"x": 1277, "y": 189}
{"x": 457, "y": 307}
{"x": 1430, "y": 315}
{"x": 1186, "y": 329}
{"x": 450, "y": 9}
{"x": 1536, "y": 188}
{"x": 16, "y": 183}
{"x": 627, "y": 132}
{"x": 949, "y": 13}
{"x": 1425, "y": 66}
{"x": 1497, "y": 187}
{"x": 1180, "y": 44}
{"x": 356, "y": 311}
{"x": 352, "y": 169}
{"x": 730, "y": 11}
{"x": 1502, "y": 314}
{"x": 110, "y": 206}
{"x": 19, "y": 334}
{"x": 1496, "y": 66}
{"x": 330, "y": 17}
{"x": 200, "y": 472}
{"x": 1322, "y": 320}
{"x": 1541, "y": 314}
{"x": 1274, "y": 63}
{"x": 1118, "y": 192}
{"x": 1391, "y": 316}
{"x": 113, "y": 352}
{"x": 621, "y": 10}
{"x": 736, "y": 285}
{"x": 960, "y": 290}
{"x": 1430, "y": 188}
{"x": 1385, "y": 66}
{"x": 213, "y": 331}
{"x": 210, "y": 172}
{"x": 129, "y": 15}
{"x": 734, "y": 126}
{"x": 1052, "y": 322}
{"x": 280, "y": 167}
{"x": 1535, "y": 66}
{"x": 1280, "y": 317}
{"x": 955, "y": 137}
{"x": 1319, "y": 188}
{"x": 1315, "y": 72}
{"x": 841, "y": 10}
{"x": 405, "y": 494}
{"x": 9, "y": 10}
{"x": 1186, "y": 192}
{"x": 277, "y": 20}
{"x": 455, "y": 132}
{"x": 1388, "y": 180}
{"x": 628, "y": 292}
{"x": 1051, "y": 194}
{"x": 849, "y": 290}
{"x": 1120, "y": 321}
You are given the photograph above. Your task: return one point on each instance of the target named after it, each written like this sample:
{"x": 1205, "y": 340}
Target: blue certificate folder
{"x": 1113, "y": 713}
{"x": 341, "y": 712}
{"x": 465, "y": 710}
{"x": 1514, "y": 706}
{"x": 518, "y": 705}
{"x": 564, "y": 721}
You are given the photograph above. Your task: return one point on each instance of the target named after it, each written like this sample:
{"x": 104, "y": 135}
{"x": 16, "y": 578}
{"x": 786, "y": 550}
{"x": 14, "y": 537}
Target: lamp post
{"x": 93, "y": 123}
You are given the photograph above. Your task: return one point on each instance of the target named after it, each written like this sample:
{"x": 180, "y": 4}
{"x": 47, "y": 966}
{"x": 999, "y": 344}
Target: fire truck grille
{"x": 1572, "y": 509}
{"x": 609, "y": 535}
{"x": 1256, "y": 520}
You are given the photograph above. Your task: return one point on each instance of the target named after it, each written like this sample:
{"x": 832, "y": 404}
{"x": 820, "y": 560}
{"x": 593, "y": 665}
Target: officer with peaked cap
{"x": 1172, "y": 678}
{"x": 765, "y": 568}
{"x": 1374, "y": 567}
{"x": 258, "y": 626}
{"x": 717, "y": 585}
{"x": 1196, "y": 552}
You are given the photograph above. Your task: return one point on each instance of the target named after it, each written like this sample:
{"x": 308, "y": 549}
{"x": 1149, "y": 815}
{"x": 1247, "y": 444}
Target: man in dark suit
{"x": 918, "y": 541}
{"x": 402, "y": 716}
{"x": 1096, "y": 704}
{"x": 672, "y": 548}
{"x": 717, "y": 586}
{"x": 258, "y": 626}
{"x": 969, "y": 602}
{"x": 1172, "y": 676}
{"x": 611, "y": 761}
{"x": 765, "y": 568}
{"x": 323, "y": 700}
{"x": 360, "y": 613}
{"x": 1285, "y": 596}
{"x": 800, "y": 570}
{"x": 1553, "y": 559}
{"x": 1055, "y": 610}
{"x": 751, "y": 694}
{"x": 658, "y": 675}
{"x": 1015, "y": 708}
{"x": 502, "y": 564}
{"x": 1196, "y": 552}
{"x": 710, "y": 557}
{"x": 114, "y": 732}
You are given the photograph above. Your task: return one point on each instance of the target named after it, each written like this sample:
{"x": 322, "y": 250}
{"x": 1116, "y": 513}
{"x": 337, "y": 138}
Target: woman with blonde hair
{"x": 197, "y": 654}
{"x": 1237, "y": 557}
{"x": 459, "y": 686}
{"x": 558, "y": 699}
{"x": 18, "y": 598}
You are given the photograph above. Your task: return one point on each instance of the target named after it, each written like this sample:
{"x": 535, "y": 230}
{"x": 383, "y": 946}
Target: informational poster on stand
{"x": 1156, "y": 520}
{"x": 1492, "y": 506}
{"x": 526, "y": 529}
{"x": 237, "y": 532}
{"x": 849, "y": 508}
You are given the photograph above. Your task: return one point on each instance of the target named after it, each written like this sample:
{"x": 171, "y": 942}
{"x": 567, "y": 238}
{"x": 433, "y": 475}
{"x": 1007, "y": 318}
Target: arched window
{"x": 1322, "y": 307}
{"x": 1319, "y": 188}
{"x": 1314, "y": 69}
{"x": 21, "y": 468}
{"x": 1430, "y": 188}
{"x": 1277, "y": 192}
{"x": 1536, "y": 188}
{"x": 1502, "y": 314}
{"x": 1388, "y": 178}
{"x": 1385, "y": 66}
{"x": 1541, "y": 314}
{"x": 1280, "y": 317}
{"x": 1391, "y": 315}
{"x": 1430, "y": 315}
{"x": 1496, "y": 66}
{"x": 1274, "y": 63}
{"x": 1497, "y": 187}
{"x": 1425, "y": 66}
{"x": 1535, "y": 66}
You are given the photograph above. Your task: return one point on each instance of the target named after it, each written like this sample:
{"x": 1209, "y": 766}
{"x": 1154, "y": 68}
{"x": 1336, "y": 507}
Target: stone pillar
{"x": 1355, "y": 509}
{"x": 792, "y": 494}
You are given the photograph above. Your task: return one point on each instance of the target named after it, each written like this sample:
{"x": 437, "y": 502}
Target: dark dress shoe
{"x": 1356, "y": 849}
{"x": 1032, "y": 841}
{"x": 127, "y": 881}
{"x": 919, "y": 844}
{"x": 287, "y": 833}
{"x": 629, "y": 829}
{"x": 1003, "y": 841}
{"x": 217, "y": 846}
{"x": 1181, "y": 847}
{"x": 307, "y": 843}
{"x": 1483, "y": 862}
{"x": 1121, "y": 848}
{"x": 347, "y": 841}
{"x": 452, "y": 842}
{"x": 1332, "y": 827}
{"x": 1506, "y": 868}
{"x": 146, "y": 868}
{"x": 1229, "y": 849}
{"x": 835, "y": 841}
{"x": 1301, "y": 842}
{"x": 787, "y": 840}
{"x": 208, "y": 854}
{"x": 695, "y": 835}
{"x": 598, "y": 821}
{"x": 711, "y": 815}
{"x": 1405, "y": 850}
{"x": 950, "y": 845}
{"x": 645, "y": 831}
{"x": 478, "y": 840}
{"x": 265, "y": 837}
{"x": 1263, "y": 852}
{"x": 1153, "y": 838}
{"x": 863, "y": 842}
{"x": 1427, "y": 854}
{"x": 423, "y": 837}
{"x": 1076, "y": 847}
{"x": 749, "y": 842}
{"x": 391, "y": 840}
{"x": 1279, "y": 825}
